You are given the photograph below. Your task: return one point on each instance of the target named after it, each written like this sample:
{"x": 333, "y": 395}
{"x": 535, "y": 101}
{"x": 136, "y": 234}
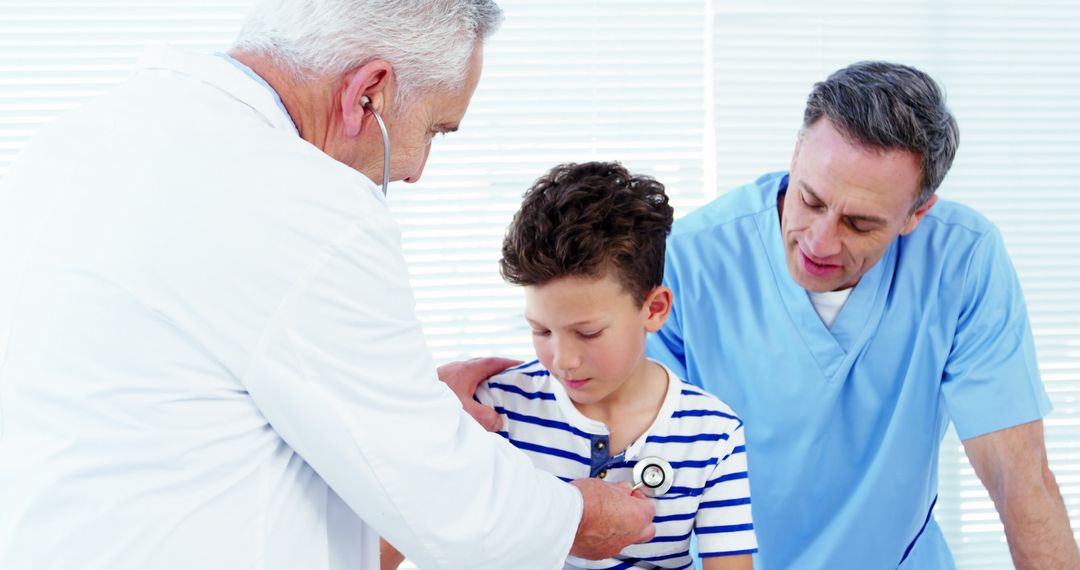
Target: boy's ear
{"x": 657, "y": 306}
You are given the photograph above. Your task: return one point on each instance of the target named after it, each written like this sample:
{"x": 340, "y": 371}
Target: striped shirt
{"x": 694, "y": 431}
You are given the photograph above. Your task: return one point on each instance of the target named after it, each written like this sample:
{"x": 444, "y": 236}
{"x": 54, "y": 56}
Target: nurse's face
{"x": 413, "y": 126}
{"x": 844, "y": 205}
{"x": 590, "y": 334}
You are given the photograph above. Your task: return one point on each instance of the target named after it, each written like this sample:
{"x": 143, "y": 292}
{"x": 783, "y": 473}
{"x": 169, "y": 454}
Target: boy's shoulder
{"x": 528, "y": 381}
{"x": 694, "y": 402}
{"x": 530, "y": 386}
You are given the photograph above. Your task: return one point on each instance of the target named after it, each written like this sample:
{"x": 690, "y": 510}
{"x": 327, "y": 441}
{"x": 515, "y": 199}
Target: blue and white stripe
{"x": 697, "y": 433}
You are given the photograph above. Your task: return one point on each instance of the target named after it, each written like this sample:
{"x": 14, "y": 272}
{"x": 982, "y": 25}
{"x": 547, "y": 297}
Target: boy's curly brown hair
{"x": 586, "y": 219}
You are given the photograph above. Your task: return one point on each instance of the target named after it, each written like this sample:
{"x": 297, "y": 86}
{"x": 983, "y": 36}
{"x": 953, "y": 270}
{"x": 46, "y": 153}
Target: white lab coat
{"x": 209, "y": 356}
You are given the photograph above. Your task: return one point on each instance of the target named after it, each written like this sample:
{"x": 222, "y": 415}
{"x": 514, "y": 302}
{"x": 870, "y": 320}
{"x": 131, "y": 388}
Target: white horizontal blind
{"x": 54, "y": 56}
{"x": 1012, "y": 74}
{"x": 564, "y": 81}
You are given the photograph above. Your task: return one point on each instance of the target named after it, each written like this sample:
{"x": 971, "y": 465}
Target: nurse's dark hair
{"x": 889, "y": 106}
{"x": 587, "y": 219}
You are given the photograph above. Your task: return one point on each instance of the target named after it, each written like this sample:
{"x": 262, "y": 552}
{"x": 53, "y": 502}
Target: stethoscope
{"x": 653, "y": 476}
{"x": 365, "y": 102}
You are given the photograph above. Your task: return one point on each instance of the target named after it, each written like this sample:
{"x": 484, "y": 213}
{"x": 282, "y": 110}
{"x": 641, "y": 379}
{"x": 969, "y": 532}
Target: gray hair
{"x": 427, "y": 42}
{"x": 890, "y": 107}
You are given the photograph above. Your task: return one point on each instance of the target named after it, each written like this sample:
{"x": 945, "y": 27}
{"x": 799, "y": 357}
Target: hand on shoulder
{"x": 464, "y": 376}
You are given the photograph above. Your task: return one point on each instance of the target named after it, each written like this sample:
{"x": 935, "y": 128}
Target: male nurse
{"x": 848, "y": 315}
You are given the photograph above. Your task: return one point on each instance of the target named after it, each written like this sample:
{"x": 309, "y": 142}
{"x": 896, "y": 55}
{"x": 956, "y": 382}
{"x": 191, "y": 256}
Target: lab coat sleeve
{"x": 343, "y": 375}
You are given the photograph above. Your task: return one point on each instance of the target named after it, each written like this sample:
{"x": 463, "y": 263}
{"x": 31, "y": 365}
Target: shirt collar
{"x": 258, "y": 78}
{"x": 583, "y": 422}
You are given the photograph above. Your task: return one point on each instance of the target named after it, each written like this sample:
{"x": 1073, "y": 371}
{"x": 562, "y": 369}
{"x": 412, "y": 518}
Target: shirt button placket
{"x": 599, "y": 456}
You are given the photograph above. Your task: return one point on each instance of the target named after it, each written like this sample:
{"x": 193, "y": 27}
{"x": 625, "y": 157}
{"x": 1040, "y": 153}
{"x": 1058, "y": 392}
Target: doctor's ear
{"x": 365, "y": 88}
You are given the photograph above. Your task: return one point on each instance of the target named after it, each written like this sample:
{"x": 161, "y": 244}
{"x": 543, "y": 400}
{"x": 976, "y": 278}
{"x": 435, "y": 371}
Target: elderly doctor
{"x": 209, "y": 356}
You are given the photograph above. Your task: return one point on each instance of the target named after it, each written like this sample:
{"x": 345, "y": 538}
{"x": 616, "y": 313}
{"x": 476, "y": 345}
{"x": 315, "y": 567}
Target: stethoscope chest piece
{"x": 653, "y": 476}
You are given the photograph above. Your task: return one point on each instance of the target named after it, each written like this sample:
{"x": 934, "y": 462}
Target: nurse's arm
{"x": 1012, "y": 465}
{"x": 734, "y": 562}
{"x": 389, "y": 557}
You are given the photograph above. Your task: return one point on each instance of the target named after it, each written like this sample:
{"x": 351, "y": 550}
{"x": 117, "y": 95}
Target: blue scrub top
{"x": 843, "y": 426}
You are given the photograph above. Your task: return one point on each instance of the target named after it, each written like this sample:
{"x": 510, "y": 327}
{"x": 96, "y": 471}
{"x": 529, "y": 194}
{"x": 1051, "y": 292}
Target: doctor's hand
{"x": 463, "y": 378}
{"x": 613, "y": 518}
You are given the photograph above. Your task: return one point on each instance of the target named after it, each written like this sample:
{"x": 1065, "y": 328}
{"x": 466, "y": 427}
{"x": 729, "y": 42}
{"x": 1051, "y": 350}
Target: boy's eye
{"x": 591, "y": 335}
{"x": 540, "y": 333}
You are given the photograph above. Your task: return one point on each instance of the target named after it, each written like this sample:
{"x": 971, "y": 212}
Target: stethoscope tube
{"x": 386, "y": 146}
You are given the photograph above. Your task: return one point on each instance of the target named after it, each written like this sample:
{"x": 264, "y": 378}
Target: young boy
{"x": 588, "y": 246}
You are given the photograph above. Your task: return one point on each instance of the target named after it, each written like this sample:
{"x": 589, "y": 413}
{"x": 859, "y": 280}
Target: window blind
{"x": 54, "y": 56}
{"x": 564, "y": 81}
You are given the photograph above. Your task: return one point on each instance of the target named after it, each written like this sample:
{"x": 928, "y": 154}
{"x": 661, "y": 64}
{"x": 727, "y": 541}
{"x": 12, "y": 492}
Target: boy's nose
{"x": 566, "y": 359}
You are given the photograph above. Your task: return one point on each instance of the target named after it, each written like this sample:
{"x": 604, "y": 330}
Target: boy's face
{"x": 590, "y": 333}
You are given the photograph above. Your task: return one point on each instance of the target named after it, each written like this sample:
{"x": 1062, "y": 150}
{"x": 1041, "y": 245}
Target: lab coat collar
{"x": 223, "y": 75}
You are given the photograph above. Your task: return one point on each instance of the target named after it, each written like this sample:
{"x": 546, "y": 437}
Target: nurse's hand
{"x": 613, "y": 518}
{"x": 463, "y": 378}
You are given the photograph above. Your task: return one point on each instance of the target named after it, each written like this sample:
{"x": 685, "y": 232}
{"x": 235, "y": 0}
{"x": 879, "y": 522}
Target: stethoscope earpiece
{"x": 653, "y": 476}
{"x": 365, "y": 102}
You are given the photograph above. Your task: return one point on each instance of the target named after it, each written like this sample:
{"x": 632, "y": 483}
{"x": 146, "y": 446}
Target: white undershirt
{"x": 828, "y": 304}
